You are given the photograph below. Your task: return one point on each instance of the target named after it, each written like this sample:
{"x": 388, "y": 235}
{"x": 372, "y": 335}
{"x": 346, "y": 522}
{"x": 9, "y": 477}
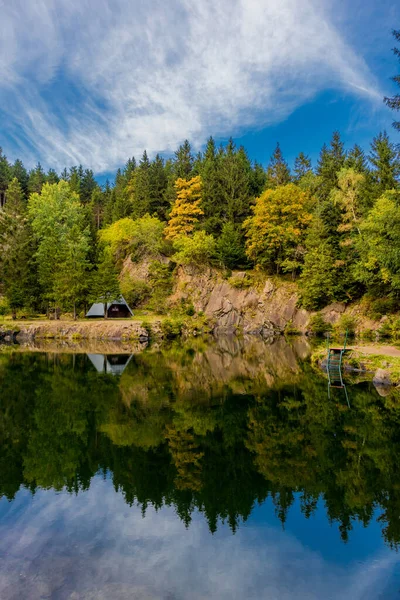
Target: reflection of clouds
{"x": 95, "y": 546}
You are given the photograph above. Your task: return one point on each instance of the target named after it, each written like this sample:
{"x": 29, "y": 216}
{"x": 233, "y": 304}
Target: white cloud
{"x": 150, "y": 74}
{"x": 94, "y": 546}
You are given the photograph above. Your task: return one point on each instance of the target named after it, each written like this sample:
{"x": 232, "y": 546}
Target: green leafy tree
{"x": 199, "y": 249}
{"x": 277, "y": 227}
{"x": 58, "y": 222}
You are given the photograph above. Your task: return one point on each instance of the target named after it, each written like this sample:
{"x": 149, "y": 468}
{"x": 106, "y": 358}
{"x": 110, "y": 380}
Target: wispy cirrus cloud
{"x": 96, "y": 81}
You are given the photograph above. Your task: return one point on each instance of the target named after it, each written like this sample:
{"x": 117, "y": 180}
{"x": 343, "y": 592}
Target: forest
{"x": 333, "y": 226}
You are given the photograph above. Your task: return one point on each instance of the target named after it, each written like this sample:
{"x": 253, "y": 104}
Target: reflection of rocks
{"x": 81, "y": 346}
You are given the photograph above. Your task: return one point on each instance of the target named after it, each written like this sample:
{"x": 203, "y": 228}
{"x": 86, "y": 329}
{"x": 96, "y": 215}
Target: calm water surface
{"x": 218, "y": 471}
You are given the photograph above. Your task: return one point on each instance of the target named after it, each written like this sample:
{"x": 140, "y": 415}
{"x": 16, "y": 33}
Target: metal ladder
{"x": 334, "y": 367}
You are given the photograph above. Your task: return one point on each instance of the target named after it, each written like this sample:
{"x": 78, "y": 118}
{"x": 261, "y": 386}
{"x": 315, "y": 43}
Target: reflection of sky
{"x": 94, "y": 546}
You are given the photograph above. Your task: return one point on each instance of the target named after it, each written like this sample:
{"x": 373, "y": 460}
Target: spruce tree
{"x": 331, "y": 160}
{"x": 5, "y": 175}
{"x": 138, "y": 188}
{"x": 278, "y": 172}
{"x": 235, "y": 178}
{"x": 302, "y": 167}
{"x": 18, "y": 271}
{"x": 183, "y": 163}
{"x": 52, "y": 176}
{"x": 212, "y": 203}
{"x": 36, "y": 180}
{"x": 88, "y": 185}
{"x": 385, "y": 162}
{"x": 356, "y": 160}
{"x": 394, "y": 101}
{"x": 18, "y": 170}
{"x": 158, "y": 182}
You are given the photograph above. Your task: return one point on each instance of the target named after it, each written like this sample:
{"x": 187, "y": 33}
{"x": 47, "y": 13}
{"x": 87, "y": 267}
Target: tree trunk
{"x": 14, "y": 314}
{"x": 74, "y": 311}
{"x": 105, "y": 310}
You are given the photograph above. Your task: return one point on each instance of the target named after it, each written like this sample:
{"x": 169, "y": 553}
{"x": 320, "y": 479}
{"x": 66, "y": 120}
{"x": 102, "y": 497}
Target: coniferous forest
{"x": 333, "y": 226}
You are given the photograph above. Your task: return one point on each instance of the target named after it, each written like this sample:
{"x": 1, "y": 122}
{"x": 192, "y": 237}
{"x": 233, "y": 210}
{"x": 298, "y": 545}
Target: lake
{"x": 197, "y": 470}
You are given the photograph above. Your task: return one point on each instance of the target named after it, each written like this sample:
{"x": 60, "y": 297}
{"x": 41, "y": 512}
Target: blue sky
{"x": 97, "y": 81}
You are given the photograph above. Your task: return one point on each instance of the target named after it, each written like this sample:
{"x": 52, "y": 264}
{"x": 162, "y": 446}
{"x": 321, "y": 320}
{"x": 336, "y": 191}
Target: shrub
{"x": 197, "y": 250}
{"x": 171, "y": 328}
{"x": 382, "y": 306}
{"x": 318, "y": 326}
{"x": 240, "y": 282}
{"x": 290, "y": 329}
{"x": 4, "y": 307}
{"x": 190, "y": 311}
{"x": 135, "y": 291}
{"x": 346, "y": 323}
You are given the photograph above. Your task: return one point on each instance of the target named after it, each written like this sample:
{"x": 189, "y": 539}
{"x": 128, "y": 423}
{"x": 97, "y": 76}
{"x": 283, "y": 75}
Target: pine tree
{"x": 183, "y": 163}
{"x": 5, "y": 176}
{"x": 87, "y": 186}
{"x": 138, "y": 188}
{"x": 302, "y": 167}
{"x": 36, "y": 180}
{"x": 278, "y": 172}
{"x": 105, "y": 284}
{"x": 74, "y": 180}
{"x": 212, "y": 199}
{"x": 356, "y": 160}
{"x": 52, "y": 176}
{"x": 385, "y": 164}
{"x": 186, "y": 210}
{"x": 394, "y": 101}
{"x": 158, "y": 203}
{"x": 231, "y": 247}
{"x": 234, "y": 169}
{"x": 331, "y": 160}
{"x": 18, "y": 170}
{"x": 17, "y": 265}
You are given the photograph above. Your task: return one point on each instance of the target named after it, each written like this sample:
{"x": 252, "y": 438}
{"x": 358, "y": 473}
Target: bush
{"x": 318, "y": 326}
{"x": 197, "y": 250}
{"x": 240, "y": 282}
{"x": 135, "y": 291}
{"x": 190, "y": 310}
{"x": 346, "y": 323}
{"x": 382, "y": 306}
{"x": 290, "y": 329}
{"x": 4, "y": 307}
{"x": 171, "y": 328}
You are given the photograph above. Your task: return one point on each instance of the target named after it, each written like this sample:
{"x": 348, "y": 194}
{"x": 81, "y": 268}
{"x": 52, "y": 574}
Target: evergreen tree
{"x": 231, "y": 248}
{"x": 385, "y": 162}
{"x": 394, "y": 101}
{"x": 138, "y": 188}
{"x": 331, "y": 160}
{"x": 36, "y": 180}
{"x": 356, "y": 160}
{"x": 234, "y": 170}
{"x": 302, "y": 167}
{"x": 183, "y": 163}
{"x": 74, "y": 179}
{"x": 158, "y": 203}
{"x": 258, "y": 180}
{"x": 5, "y": 174}
{"x": 87, "y": 186}
{"x": 52, "y": 176}
{"x": 105, "y": 284}
{"x": 278, "y": 172}
{"x": 17, "y": 265}
{"x": 212, "y": 199}
{"x": 18, "y": 170}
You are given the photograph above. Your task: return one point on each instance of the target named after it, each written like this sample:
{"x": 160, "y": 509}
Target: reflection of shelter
{"x": 118, "y": 309}
{"x": 113, "y": 364}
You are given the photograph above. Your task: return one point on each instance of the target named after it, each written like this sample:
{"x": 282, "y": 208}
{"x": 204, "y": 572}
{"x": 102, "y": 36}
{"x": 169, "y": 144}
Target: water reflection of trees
{"x": 211, "y": 428}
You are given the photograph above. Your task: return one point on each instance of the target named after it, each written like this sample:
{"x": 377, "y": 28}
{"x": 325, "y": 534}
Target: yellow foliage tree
{"x": 276, "y": 230}
{"x": 186, "y": 209}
